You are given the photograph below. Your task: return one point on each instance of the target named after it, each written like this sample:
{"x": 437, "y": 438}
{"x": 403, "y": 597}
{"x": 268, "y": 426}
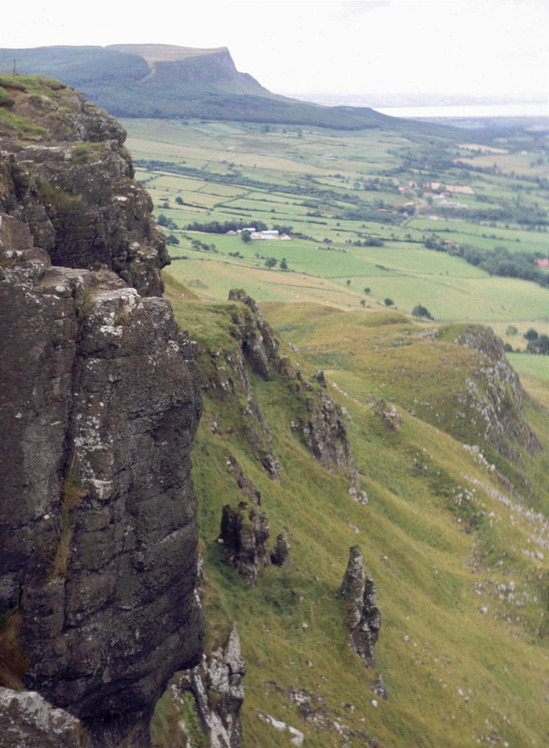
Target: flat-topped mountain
{"x": 193, "y": 64}
{"x": 167, "y": 81}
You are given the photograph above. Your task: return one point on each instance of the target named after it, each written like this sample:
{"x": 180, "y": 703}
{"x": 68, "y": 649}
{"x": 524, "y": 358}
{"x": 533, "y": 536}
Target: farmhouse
{"x": 255, "y": 234}
{"x": 267, "y": 234}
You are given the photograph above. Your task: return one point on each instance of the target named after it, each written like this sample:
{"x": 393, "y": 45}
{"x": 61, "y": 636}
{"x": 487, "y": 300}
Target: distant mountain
{"x": 166, "y": 81}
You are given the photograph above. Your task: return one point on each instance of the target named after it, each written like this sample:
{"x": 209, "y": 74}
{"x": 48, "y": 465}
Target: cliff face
{"x": 190, "y": 65}
{"x": 99, "y": 404}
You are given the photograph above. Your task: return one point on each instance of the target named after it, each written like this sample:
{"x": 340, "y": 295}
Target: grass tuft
{"x": 71, "y": 495}
{"x": 14, "y": 663}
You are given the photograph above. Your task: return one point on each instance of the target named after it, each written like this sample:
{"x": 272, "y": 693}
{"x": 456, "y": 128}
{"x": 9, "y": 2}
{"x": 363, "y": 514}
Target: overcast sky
{"x": 479, "y": 47}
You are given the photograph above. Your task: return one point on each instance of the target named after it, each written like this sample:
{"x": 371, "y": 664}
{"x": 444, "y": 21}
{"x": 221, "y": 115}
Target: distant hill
{"x": 166, "y": 81}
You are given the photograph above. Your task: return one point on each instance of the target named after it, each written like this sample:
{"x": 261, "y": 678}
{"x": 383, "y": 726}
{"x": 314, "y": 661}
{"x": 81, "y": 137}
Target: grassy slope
{"x": 454, "y": 675}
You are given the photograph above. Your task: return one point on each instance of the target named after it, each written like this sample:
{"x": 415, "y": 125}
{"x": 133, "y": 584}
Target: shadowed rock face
{"x": 244, "y": 532}
{"x": 99, "y": 404}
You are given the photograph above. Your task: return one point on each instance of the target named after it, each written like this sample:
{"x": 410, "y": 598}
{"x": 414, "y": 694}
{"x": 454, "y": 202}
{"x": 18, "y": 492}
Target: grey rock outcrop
{"x": 322, "y": 424}
{"x": 244, "y": 532}
{"x": 495, "y": 392}
{"x": 325, "y": 434}
{"x": 259, "y": 342}
{"x": 27, "y": 719}
{"x": 363, "y": 616}
{"x": 388, "y": 414}
{"x": 282, "y": 550}
{"x": 227, "y": 373}
{"x": 219, "y": 676}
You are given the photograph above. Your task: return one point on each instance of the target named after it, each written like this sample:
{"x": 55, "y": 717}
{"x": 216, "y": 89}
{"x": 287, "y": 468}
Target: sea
{"x": 469, "y": 111}
{"x": 534, "y": 113}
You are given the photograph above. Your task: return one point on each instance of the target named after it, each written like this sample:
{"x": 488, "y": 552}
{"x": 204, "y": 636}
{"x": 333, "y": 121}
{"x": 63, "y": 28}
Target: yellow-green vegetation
{"x": 85, "y": 305}
{"x": 88, "y": 153}
{"x": 71, "y": 494}
{"x": 58, "y": 198}
{"x": 14, "y": 663}
{"x": 454, "y": 534}
{"x": 39, "y": 89}
{"x": 28, "y": 128}
{"x": 166, "y": 730}
{"x": 461, "y": 579}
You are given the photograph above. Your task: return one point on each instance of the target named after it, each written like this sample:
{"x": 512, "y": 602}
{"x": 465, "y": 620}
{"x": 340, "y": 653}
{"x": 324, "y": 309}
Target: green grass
{"x": 533, "y": 366}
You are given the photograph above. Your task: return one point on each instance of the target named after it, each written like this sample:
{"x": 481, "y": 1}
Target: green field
{"x": 341, "y": 191}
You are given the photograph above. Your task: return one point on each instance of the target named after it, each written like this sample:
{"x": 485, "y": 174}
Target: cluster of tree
{"x": 497, "y": 261}
{"x": 218, "y": 227}
{"x": 166, "y": 222}
{"x": 421, "y": 311}
{"x": 202, "y": 246}
{"x": 282, "y": 228}
{"x": 537, "y": 344}
{"x": 271, "y": 262}
{"x": 376, "y": 184}
{"x": 369, "y": 241}
{"x": 507, "y": 212}
{"x": 409, "y": 208}
{"x": 370, "y": 213}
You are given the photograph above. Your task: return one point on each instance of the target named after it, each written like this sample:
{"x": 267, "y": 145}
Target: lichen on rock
{"x": 27, "y": 719}
{"x": 217, "y": 692}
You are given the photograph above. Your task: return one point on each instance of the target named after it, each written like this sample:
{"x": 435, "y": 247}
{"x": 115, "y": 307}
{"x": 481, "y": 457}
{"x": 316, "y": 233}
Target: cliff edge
{"x": 99, "y": 404}
{"x": 66, "y": 174}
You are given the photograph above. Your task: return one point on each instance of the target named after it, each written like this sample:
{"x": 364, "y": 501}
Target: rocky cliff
{"x": 99, "y": 404}
{"x": 66, "y": 174}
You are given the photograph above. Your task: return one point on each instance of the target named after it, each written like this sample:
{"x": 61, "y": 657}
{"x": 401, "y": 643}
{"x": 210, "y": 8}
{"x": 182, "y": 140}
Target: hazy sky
{"x": 484, "y": 47}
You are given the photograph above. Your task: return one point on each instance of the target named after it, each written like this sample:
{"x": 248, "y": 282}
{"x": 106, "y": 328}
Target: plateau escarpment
{"x": 99, "y": 406}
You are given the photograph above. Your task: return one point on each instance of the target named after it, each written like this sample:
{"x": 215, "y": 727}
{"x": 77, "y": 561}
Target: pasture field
{"x": 342, "y": 193}
{"x": 531, "y": 366}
